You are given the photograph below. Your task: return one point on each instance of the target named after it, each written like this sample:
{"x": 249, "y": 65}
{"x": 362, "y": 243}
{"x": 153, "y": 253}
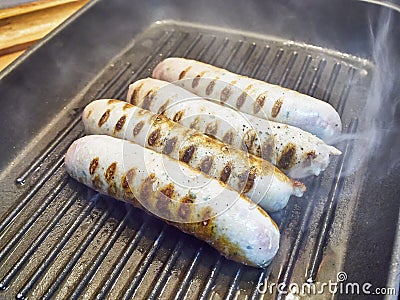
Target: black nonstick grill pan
{"x": 59, "y": 239}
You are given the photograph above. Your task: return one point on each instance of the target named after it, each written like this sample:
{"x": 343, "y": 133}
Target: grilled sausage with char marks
{"x": 204, "y": 207}
{"x": 252, "y": 96}
{"x": 258, "y": 179}
{"x": 294, "y": 151}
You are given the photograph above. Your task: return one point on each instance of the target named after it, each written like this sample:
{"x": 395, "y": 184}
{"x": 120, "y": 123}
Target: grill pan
{"x": 59, "y": 239}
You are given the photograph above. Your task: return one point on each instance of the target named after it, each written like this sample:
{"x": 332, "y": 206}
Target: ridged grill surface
{"x": 61, "y": 239}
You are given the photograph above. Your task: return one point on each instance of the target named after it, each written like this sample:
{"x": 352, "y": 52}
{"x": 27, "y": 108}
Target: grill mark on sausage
{"x": 226, "y": 93}
{"x": 240, "y": 100}
{"x": 188, "y": 154}
{"x": 196, "y": 81}
{"x": 104, "y": 118}
{"x": 148, "y": 99}
{"x": 163, "y": 107}
{"x": 210, "y": 87}
{"x": 311, "y": 155}
{"x": 183, "y": 73}
{"x": 164, "y": 199}
{"x": 170, "y": 145}
{"x": 206, "y": 164}
{"x": 97, "y": 183}
{"x": 93, "y": 165}
{"x": 120, "y": 124}
{"x": 248, "y": 140}
{"x": 89, "y": 113}
{"x": 135, "y": 94}
{"x": 267, "y": 150}
{"x": 276, "y": 108}
{"x": 138, "y": 127}
{"x": 225, "y": 173}
{"x": 206, "y": 214}
{"x": 110, "y": 172}
{"x": 228, "y": 137}
{"x": 127, "y": 106}
{"x": 246, "y": 180}
{"x": 184, "y": 207}
{"x": 154, "y": 137}
{"x": 146, "y": 188}
{"x": 130, "y": 175}
{"x": 211, "y": 128}
{"x": 178, "y": 116}
{"x": 260, "y": 101}
{"x": 112, "y": 189}
{"x": 287, "y": 157}
{"x": 111, "y": 101}
{"x": 195, "y": 123}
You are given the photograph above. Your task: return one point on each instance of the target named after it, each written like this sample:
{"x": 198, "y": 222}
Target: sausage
{"x": 252, "y": 96}
{"x": 294, "y": 151}
{"x": 258, "y": 179}
{"x": 200, "y": 206}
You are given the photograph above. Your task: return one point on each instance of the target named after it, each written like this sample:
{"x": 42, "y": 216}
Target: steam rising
{"x": 379, "y": 137}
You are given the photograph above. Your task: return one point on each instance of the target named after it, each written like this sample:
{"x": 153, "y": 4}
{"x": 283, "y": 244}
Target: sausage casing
{"x": 203, "y": 207}
{"x": 258, "y": 179}
{"x": 294, "y": 151}
{"x": 252, "y": 96}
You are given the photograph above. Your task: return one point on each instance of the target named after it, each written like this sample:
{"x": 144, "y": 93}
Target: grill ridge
{"x": 82, "y": 247}
{"x": 56, "y": 249}
{"x": 330, "y": 205}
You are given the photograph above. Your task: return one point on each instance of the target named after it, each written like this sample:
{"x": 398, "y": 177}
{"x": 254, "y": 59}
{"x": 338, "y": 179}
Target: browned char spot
{"x": 184, "y": 207}
{"x": 135, "y": 95}
{"x": 225, "y": 173}
{"x": 178, "y": 116}
{"x": 164, "y": 199}
{"x": 111, "y": 101}
{"x": 246, "y": 180}
{"x": 138, "y": 127}
{"x": 112, "y": 189}
{"x": 147, "y": 100}
{"x": 206, "y": 164}
{"x": 226, "y": 93}
{"x": 89, "y": 113}
{"x": 93, "y": 165}
{"x": 170, "y": 145}
{"x": 187, "y": 154}
{"x": 127, "y": 106}
{"x": 276, "y": 108}
{"x": 154, "y": 137}
{"x": 196, "y": 81}
{"x": 97, "y": 183}
{"x": 248, "y": 140}
{"x": 206, "y": 216}
{"x": 240, "y": 100}
{"x": 210, "y": 87}
{"x": 267, "y": 150}
{"x": 287, "y": 157}
{"x": 127, "y": 181}
{"x": 163, "y": 107}
{"x": 195, "y": 123}
{"x": 183, "y": 73}
{"x": 212, "y": 128}
{"x": 110, "y": 172}
{"x": 228, "y": 137}
{"x": 120, "y": 124}
{"x": 260, "y": 100}
{"x": 311, "y": 155}
{"x": 104, "y": 118}
{"x": 146, "y": 189}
